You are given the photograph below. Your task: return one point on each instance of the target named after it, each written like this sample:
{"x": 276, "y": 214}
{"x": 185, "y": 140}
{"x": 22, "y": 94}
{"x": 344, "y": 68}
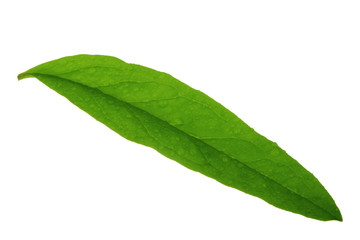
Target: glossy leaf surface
{"x": 155, "y": 109}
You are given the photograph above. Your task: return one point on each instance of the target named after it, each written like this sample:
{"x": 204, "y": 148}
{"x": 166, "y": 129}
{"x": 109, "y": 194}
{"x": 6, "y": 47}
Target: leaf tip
{"x": 339, "y": 217}
{"x": 24, "y": 75}
{"x": 336, "y": 215}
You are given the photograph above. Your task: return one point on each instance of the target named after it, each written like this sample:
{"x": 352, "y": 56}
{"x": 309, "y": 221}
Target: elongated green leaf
{"x": 154, "y": 109}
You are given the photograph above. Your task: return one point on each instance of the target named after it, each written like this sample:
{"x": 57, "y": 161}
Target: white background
{"x": 290, "y": 69}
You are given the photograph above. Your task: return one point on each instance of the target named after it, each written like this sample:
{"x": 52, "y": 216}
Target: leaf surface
{"x": 155, "y": 109}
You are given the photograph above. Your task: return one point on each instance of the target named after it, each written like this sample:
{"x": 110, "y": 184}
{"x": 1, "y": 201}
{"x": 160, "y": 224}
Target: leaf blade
{"x": 187, "y": 126}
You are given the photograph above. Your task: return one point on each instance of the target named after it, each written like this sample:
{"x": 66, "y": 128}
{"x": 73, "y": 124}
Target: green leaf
{"x": 155, "y": 109}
